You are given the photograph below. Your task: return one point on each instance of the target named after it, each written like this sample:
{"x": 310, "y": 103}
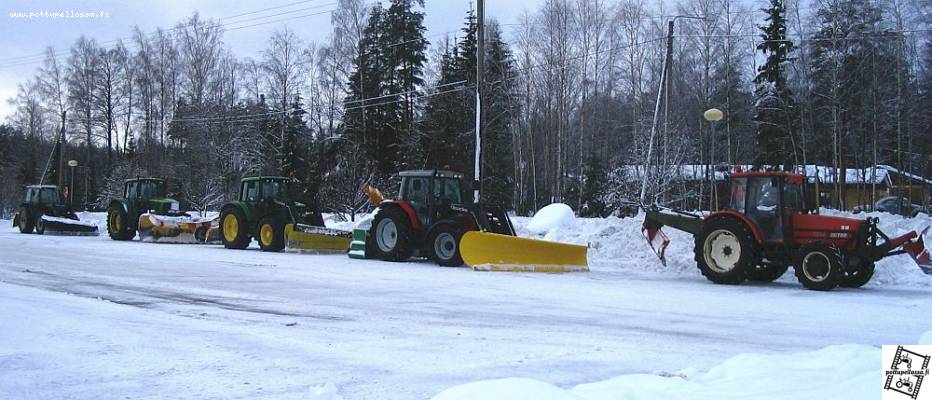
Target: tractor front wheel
{"x": 233, "y": 229}
{"x": 444, "y": 245}
{"x": 390, "y": 235}
{"x": 117, "y": 224}
{"x": 818, "y": 266}
{"x": 26, "y": 224}
{"x": 271, "y": 235}
{"x": 40, "y": 225}
{"x": 858, "y": 276}
{"x": 726, "y": 250}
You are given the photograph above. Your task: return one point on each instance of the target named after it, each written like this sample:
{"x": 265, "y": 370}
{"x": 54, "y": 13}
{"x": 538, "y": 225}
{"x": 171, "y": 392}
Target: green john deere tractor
{"x": 45, "y": 211}
{"x": 263, "y": 210}
{"x": 140, "y": 196}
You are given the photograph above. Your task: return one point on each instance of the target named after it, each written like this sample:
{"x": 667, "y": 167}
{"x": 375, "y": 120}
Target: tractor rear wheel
{"x": 40, "y": 225}
{"x": 818, "y": 266}
{"x": 117, "y": 224}
{"x": 858, "y": 276}
{"x": 271, "y": 234}
{"x": 233, "y": 229}
{"x": 444, "y": 245}
{"x": 726, "y": 251}
{"x": 391, "y": 235}
{"x": 26, "y": 225}
{"x": 766, "y": 272}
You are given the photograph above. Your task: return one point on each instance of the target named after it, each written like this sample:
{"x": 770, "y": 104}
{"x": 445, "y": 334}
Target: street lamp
{"x": 712, "y": 115}
{"x": 72, "y": 164}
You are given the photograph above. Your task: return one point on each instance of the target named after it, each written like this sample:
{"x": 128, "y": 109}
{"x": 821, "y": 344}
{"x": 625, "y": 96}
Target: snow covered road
{"x": 87, "y": 318}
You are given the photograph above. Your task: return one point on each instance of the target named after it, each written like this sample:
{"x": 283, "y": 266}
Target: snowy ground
{"x": 88, "y": 318}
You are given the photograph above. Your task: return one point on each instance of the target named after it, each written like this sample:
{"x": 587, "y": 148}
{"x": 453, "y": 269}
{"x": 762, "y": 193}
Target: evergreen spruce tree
{"x": 500, "y": 108}
{"x": 773, "y": 99}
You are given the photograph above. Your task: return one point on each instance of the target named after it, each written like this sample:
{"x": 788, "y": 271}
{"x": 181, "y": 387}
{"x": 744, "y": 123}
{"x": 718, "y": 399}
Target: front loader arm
{"x": 657, "y": 217}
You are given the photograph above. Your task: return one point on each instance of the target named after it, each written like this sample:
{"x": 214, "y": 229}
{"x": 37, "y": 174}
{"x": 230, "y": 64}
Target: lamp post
{"x": 712, "y": 115}
{"x": 72, "y": 164}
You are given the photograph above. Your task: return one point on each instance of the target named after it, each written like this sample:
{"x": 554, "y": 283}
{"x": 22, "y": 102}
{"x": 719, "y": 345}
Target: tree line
{"x": 570, "y": 96}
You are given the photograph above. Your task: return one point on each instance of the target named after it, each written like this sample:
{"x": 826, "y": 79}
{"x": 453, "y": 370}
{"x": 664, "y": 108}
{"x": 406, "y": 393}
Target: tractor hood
{"x": 165, "y": 206}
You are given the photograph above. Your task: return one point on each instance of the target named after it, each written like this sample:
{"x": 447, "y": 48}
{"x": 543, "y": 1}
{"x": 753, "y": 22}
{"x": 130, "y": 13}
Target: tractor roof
{"x": 42, "y": 187}
{"x": 431, "y": 173}
{"x": 265, "y": 178}
{"x": 791, "y": 176}
{"x": 145, "y": 179}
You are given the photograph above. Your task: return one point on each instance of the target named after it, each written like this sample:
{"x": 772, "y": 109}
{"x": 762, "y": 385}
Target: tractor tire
{"x": 855, "y": 278}
{"x": 40, "y": 225}
{"x": 271, "y": 235}
{"x": 26, "y": 225}
{"x": 819, "y": 266}
{"x": 766, "y": 272}
{"x": 118, "y": 224}
{"x": 233, "y": 229}
{"x": 443, "y": 244}
{"x": 391, "y": 235}
{"x": 726, "y": 251}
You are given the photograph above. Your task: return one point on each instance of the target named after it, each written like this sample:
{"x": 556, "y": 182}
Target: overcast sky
{"x": 24, "y": 39}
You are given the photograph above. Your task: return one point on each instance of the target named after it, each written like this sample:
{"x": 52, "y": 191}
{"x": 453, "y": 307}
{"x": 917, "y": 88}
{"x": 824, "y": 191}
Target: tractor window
{"x": 739, "y": 189}
{"x": 150, "y": 189}
{"x": 762, "y": 201}
{"x": 49, "y": 196}
{"x": 250, "y": 192}
{"x": 449, "y": 189}
{"x": 415, "y": 193}
{"x": 132, "y": 190}
{"x": 277, "y": 190}
{"x": 793, "y": 197}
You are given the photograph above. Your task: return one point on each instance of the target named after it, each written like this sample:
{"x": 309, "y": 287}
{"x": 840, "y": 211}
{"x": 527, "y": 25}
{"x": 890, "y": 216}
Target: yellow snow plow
{"x": 484, "y": 251}
{"x": 316, "y": 239}
{"x": 177, "y": 229}
{"x": 430, "y": 219}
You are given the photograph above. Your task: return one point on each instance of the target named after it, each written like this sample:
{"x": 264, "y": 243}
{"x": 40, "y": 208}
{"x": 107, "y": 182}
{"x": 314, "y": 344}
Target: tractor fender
{"x": 408, "y": 210}
{"x": 16, "y": 219}
{"x": 457, "y": 222}
{"x": 755, "y": 230}
{"x": 119, "y": 203}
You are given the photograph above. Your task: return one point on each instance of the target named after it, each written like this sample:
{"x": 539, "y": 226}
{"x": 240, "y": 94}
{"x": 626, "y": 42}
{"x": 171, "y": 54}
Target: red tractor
{"x": 767, "y": 226}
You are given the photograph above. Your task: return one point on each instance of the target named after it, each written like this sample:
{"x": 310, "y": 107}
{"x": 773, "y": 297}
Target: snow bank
{"x": 835, "y": 372}
{"x": 552, "y": 217}
{"x": 925, "y": 338}
{"x": 327, "y": 391}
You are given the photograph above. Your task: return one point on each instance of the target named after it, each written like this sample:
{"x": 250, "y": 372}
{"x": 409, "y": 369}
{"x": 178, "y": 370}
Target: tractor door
{"x": 763, "y": 207}
{"x": 414, "y": 191}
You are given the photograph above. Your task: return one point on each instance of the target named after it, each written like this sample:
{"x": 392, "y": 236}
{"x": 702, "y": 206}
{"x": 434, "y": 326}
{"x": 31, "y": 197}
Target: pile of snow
{"x": 557, "y": 216}
{"x": 175, "y": 220}
{"x": 617, "y": 243}
{"x": 835, "y": 372}
{"x": 925, "y": 338}
{"x": 327, "y": 391}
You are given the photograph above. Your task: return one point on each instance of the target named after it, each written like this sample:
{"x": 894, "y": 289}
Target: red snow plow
{"x": 767, "y": 227}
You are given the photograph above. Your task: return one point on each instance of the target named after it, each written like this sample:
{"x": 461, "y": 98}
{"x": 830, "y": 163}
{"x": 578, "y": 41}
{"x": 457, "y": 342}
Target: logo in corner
{"x": 906, "y": 367}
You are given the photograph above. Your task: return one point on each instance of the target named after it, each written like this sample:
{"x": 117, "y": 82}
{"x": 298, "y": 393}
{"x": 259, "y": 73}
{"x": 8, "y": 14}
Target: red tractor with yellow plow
{"x": 770, "y": 224}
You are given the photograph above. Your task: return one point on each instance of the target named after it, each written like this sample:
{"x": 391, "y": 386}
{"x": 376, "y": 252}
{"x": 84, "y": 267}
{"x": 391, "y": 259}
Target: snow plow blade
{"x": 68, "y": 226}
{"x": 316, "y": 239}
{"x": 918, "y": 251}
{"x": 178, "y": 229}
{"x": 484, "y": 251}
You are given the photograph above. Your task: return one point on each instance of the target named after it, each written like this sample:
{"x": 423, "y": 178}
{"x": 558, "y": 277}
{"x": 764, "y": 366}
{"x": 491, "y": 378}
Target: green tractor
{"x": 265, "y": 210}
{"x": 140, "y": 196}
{"x": 44, "y": 210}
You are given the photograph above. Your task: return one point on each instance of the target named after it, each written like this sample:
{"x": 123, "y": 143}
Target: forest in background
{"x": 569, "y": 101}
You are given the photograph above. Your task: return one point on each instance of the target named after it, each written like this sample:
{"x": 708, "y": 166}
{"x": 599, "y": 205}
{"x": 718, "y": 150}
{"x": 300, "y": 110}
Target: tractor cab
{"x": 769, "y": 200}
{"x": 144, "y": 188}
{"x": 264, "y": 188}
{"x": 430, "y": 192}
{"x": 43, "y": 194}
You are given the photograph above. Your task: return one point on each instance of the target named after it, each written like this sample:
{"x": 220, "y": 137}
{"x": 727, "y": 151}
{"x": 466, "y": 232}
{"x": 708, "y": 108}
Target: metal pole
{"x": 480, "y": 74}
{"x": 713, "y": 192}
{"x": 71, "y": 191}
{"x": 653, "y": 127}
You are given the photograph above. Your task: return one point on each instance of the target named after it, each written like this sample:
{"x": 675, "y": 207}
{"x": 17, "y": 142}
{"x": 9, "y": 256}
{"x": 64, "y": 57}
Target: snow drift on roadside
{"x": 835, "y": 372}
{"x": 617, "y": 243}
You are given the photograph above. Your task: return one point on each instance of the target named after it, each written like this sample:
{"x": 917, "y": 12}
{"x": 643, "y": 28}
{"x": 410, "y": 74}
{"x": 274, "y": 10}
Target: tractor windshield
{"x": 49, "y": 196}
{"x": 448, "y": 189}
{"x": 150, "y": 189}
{"x": 277, "y": 190}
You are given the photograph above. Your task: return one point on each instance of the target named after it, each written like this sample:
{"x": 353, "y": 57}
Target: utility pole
{"x": 653, "y": 126}
{"x": 480, "y": 75}
{"x": 61, "y": 153}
